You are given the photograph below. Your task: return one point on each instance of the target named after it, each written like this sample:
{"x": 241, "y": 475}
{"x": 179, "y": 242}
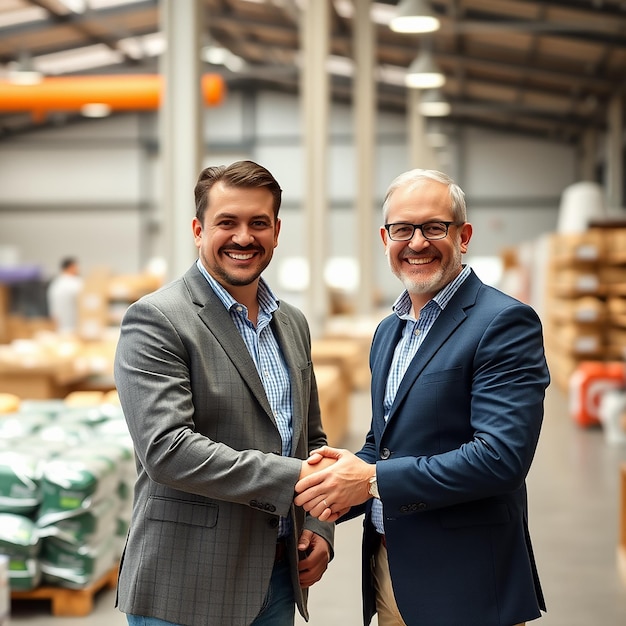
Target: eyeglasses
{"x": 431, "y": 231}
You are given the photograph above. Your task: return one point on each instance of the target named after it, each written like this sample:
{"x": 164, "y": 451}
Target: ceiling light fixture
{"x": 95, "y": 109}
{"x": 433, "y": 104}
{"x": 23, "y": 71}
{"x": 24, "y": 77}
{"x": 414, "y": 16}
{"x": 218, "y": 55}
{"x": 423, "y": 72}
{"x": 75, "y": 6}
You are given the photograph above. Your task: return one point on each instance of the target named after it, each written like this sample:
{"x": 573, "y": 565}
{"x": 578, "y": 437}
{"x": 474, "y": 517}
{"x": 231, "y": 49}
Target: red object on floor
{"x": 587, "y": 384}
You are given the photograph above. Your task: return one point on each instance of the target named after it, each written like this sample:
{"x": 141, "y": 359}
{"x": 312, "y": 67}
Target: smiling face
{"x": 237, "y": 239}
{"x": 424, "y": 267}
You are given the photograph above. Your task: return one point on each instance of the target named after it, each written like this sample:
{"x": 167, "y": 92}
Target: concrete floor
{"x": 574, "y": 503}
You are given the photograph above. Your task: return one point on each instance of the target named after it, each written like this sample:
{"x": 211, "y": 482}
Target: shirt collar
{"x": 402, "y": 306}
{"x": 268, "y": 302}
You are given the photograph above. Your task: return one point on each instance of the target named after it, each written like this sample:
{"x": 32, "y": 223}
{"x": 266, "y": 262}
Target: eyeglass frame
{"x": 420, "y": 228}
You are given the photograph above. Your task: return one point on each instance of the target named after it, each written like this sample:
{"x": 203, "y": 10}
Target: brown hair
{"x": 242, "y": 174}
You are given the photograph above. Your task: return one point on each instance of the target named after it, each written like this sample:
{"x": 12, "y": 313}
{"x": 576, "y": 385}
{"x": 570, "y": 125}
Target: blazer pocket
{"x": 443, "y": 376}
{"x": 182, "y": 512}
{"x": 475, "y": 514}
{"x": 305, "y": 372}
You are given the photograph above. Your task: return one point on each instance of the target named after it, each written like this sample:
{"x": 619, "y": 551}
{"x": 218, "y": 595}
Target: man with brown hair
{"x": 215, "y": 379}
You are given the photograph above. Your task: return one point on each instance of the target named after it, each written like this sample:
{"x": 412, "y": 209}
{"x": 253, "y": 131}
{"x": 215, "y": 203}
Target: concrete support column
{"x": 314, "y": 90}
{"x": 364, "y": 102}
{"x": 180, "y": 128}
{"x": 420, "y": 153}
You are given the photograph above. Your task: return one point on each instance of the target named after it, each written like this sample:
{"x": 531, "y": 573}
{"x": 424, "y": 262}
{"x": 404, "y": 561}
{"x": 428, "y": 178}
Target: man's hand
{"x": 330, "y": 492}
{"x": 315, "y": 463}
{"x": 315, "y": 553}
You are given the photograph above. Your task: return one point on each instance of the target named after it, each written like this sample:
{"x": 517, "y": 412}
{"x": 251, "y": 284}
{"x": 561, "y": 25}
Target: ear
{"x": 466, "y": 235}
{"x": 276, "y": 232}
{"x": 384, "y": 235}
{"x": 196, "y": 228}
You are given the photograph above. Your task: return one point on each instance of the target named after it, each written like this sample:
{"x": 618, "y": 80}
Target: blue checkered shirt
{"x": 266, "y": 354}
{"x": 413, "y": 336}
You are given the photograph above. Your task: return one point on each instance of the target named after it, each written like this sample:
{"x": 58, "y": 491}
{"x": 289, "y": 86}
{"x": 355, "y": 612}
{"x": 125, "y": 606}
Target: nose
{"x": 418, "y": 240}
{"x": 243, "y": 236}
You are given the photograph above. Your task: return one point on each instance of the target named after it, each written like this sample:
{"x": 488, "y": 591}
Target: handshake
{"x": 331, "y": 481}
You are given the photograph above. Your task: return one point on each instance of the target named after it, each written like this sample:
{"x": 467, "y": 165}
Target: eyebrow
{"x": 237, "y": 216}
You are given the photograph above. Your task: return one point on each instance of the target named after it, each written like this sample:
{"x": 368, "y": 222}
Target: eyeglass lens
{"x": 430, "y": 230}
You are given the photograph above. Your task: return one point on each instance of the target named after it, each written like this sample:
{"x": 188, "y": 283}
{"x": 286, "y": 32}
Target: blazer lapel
{"x": 281, "y": 325}
{"x": 381, "y": 361}
{"x": 447, "y": 322}
{"x": 219, "y": 323}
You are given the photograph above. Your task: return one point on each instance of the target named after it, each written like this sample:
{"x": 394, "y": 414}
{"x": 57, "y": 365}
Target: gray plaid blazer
{"x": 211, "y": 479}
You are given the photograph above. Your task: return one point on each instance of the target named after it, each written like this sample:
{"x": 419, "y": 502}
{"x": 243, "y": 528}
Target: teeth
{"x": 420, "y": 261}
{"x": 240, "y": 257}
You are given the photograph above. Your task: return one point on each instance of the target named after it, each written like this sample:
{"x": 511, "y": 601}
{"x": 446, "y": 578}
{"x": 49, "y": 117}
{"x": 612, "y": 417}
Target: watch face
{"x": 373, "y": 487}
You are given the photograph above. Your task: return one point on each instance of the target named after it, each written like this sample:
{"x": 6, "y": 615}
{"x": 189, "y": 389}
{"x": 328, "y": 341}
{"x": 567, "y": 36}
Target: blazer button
{"x": 421, "y": 506}
{"x": 274, "y": 522}
{"x": 385, "y": 453}
{"x": 254, "y": 504}
{"x": 270, "y": 507}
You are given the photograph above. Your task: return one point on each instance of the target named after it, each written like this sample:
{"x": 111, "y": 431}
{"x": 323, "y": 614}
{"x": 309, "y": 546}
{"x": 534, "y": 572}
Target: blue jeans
{"x": 279, "y": 608}
{"x": 140, "y": 620}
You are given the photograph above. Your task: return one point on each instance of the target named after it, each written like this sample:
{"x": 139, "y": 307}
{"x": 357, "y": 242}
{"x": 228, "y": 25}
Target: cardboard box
{"x": 572, "y": 282}
{"x": 570, "y": 249}
{"x": 584, "y": 310}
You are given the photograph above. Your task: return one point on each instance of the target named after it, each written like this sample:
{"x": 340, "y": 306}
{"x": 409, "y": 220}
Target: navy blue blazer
{"x": 452, "y": 460}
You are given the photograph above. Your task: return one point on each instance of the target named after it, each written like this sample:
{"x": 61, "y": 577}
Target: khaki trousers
{"x": 386, "y": 607}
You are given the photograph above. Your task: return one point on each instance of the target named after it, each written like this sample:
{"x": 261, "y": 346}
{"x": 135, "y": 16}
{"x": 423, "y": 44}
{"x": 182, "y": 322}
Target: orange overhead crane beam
{"x": 126, "y": 92}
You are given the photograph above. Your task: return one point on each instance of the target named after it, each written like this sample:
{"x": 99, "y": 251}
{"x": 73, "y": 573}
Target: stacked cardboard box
{"x": 586, "y": 298}
{"x": 613, "y": 277}
{"x": 105, "y": 298}
{"x": 52, "y": 365}
{"x": 575, "y": 312}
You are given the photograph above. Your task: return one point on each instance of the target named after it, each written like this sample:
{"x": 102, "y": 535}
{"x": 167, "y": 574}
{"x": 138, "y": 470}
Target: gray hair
{"x": 413, "y": 177}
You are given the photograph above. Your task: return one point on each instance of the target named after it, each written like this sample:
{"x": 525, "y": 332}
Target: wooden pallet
{"x": 70, "y": 602}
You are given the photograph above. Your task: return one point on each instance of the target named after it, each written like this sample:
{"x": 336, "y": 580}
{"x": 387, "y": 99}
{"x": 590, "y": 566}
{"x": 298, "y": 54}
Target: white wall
{"x": 97, "y": 238}
{"x": 74, "y": 190}
{"x": 92, "y": 189}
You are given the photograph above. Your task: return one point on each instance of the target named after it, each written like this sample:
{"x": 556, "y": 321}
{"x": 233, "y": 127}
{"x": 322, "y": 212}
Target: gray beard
{"x": 434, "y": 283}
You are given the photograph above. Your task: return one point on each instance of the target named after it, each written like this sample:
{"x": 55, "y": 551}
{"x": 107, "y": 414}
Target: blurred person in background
{"x": 62, "y": 296}
{"x": 458, "y": 386}
{"x": 216, "y": 382}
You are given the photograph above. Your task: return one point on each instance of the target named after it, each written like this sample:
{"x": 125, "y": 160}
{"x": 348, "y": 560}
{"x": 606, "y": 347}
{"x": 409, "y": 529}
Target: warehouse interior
{"x": 110, "y": 108}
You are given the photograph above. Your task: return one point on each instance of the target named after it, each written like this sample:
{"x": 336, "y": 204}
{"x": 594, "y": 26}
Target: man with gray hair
{"x": 458, "y": 385}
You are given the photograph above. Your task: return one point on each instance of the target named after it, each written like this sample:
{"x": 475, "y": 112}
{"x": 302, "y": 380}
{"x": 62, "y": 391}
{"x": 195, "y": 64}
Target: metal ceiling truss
{"x": 546, "y": 68}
